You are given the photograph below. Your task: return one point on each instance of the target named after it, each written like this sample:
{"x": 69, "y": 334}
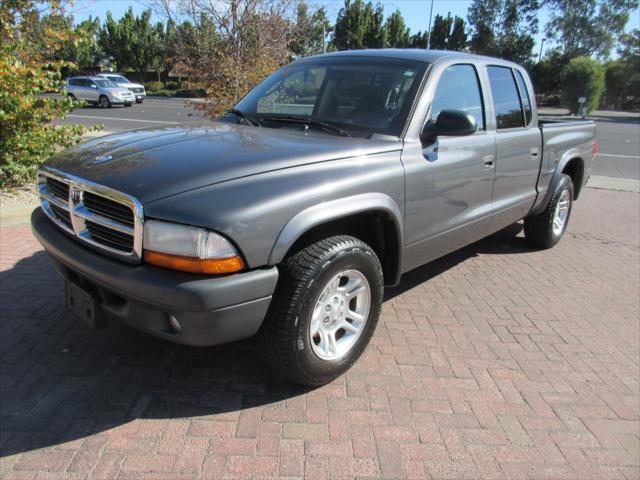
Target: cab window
{"x": 459, "y": 89}
{"x": 509, "y": 112}
{"x": 524, "y": 96}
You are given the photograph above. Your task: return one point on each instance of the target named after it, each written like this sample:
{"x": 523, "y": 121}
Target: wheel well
{"x": 575, "y": 169}
{"x": 375, "y": 228}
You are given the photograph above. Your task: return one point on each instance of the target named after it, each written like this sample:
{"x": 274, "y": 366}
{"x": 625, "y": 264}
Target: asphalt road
{"x": 618, "y": 135}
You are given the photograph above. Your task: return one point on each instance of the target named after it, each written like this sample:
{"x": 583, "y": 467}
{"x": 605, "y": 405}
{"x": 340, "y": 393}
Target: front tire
{"x": 127, "y": 104}
{"x": 324, "y": 311}
{"x": 546, "y": 228}
{"x": 104, "y": 102}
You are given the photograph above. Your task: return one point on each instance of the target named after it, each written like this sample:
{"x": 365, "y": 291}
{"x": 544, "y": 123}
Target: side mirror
{"x": 93, "y": 85}
{"x": 453, "y": 123}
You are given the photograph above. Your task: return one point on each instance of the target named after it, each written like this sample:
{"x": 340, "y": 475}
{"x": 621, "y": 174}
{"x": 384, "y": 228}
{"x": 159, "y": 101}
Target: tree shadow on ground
{"x": 61, "y": 382}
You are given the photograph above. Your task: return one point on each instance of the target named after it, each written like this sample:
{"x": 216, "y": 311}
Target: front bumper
{"x": 123, "y": 100}
{"x": 210, "y": 310}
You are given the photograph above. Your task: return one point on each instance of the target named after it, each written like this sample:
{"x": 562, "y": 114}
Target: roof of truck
{"x": 418, "y": 54}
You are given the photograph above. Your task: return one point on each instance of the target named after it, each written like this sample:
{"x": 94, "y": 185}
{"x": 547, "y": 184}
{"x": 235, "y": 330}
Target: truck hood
{"x": 158, "y": 162}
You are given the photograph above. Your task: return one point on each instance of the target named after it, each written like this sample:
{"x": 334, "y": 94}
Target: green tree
{"x": 441, "y": 31}
{"x": 310, "y": 31}
{"x": 622, "y": 77}
{"x": 587, "y": 27}
{"x": 397, "y": 32}
{"x": 418, "y": 40}
{"x": 131, "y": 41}
{"x": 359, "y": 26}
{"x": 458, "y": 38}
{"x": 30, "y": 64}
{"x": 504, "y": 28}
{"x": 582, "y": 77}
{"x": 375, "y": 36}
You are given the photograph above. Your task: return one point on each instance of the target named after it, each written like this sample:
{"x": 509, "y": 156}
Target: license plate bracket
{"x": 84, "y": 305}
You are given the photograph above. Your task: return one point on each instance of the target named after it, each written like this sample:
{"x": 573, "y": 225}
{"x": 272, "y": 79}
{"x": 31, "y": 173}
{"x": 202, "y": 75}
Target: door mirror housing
{"x": 451, "y": 123}
{"x": 93, "y": 85}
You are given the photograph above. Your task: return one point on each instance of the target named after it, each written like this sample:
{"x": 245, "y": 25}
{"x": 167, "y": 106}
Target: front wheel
{"x": 324, "y": 311}
{"x": 104, "y": 102}
{"x": 127, "y": 104}
{"x": 546, "y": 228}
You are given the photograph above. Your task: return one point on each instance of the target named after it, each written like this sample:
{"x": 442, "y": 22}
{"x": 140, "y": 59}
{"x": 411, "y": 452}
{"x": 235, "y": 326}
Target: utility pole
{"x": 429, "y": 35}
{"x": 541, "y": 45}
{"x": 324, "y": 39}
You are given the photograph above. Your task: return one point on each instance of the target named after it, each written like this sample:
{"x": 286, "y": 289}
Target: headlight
{"x": 190, "y": 249}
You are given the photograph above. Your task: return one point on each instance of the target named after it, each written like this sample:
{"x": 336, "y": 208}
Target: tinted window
{"x": 524, "y": 96}
{"x": 73, "y": 81}
{"x": 505, "y": 98}
{"x": 363, "y": 95}
{"x": 459, "y": 89}
{"x": 105, "y": 83}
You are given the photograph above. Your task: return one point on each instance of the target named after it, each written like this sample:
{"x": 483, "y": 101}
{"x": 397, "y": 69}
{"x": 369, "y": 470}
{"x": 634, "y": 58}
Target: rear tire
{"x": 324, "y": 311}
{"x": 139, "y": 101}
{"x": 546, "y": 228}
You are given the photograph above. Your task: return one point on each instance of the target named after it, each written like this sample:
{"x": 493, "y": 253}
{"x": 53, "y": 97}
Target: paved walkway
{"x": 495, "y": 362}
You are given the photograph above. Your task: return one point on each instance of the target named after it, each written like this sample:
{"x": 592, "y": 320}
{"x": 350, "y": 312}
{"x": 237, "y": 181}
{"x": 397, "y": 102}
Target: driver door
{"x": 449, "y": 180}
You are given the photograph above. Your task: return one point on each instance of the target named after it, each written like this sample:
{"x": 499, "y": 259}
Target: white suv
{"x": 122, "y": 81}
{"x": 98, "y": 91}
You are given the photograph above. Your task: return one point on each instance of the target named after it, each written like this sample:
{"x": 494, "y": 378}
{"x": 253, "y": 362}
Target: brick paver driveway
{"x": 495, "y": 362}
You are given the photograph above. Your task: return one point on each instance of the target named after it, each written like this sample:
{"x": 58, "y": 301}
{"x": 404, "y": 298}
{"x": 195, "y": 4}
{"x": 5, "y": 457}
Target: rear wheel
{"x": 546, "y": 228}
{"x": 104, "y": 101}
{"x": 139, "y": 101}
{"x": 324, "y": 311}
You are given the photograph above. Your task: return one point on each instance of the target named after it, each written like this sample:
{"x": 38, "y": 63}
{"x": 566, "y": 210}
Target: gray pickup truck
{"x": 287, "y": 216}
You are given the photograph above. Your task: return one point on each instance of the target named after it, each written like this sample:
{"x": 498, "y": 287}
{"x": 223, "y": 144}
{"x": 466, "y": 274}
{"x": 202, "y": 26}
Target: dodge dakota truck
{"x": 286, "y": 217}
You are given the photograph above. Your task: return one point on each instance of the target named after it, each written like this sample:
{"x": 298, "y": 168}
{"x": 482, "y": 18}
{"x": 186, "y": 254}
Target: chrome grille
{"x": 108, "y": 208}
{"x": 58, "y": 188}
{"x": 99, "y": 216}
{"x": 136, "y": 89}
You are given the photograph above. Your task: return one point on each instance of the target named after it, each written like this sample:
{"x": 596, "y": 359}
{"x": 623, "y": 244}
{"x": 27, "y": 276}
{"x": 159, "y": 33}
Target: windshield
{"x": 362, "y": 94}
{"x": 118, "y": 79}
{"x": 104, "y": 83}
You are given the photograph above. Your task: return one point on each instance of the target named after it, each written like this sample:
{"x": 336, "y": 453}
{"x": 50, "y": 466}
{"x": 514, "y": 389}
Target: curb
{"x": 16, "y": 215}
{"x": 614, "y": 183}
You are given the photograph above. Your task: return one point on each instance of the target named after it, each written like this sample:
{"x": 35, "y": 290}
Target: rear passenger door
{"x": 518, "y": 146}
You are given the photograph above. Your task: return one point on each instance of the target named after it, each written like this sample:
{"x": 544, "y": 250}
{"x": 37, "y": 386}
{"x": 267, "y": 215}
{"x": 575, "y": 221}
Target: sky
{"x": 415, "y": 12}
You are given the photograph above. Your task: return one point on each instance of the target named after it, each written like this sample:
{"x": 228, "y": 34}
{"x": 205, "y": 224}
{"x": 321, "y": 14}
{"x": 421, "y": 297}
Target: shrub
{"x": 173, "y": 86}
{"x": 29, "y": 67}
{"x": 153, "y": 86}
{"x": 582, "y": 77}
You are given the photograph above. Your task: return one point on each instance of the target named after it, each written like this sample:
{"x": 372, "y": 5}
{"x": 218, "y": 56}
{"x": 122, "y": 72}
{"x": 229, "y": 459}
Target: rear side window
{"x": 524, "y": 96}
{"x": 73, "y": 81}
{"x": 505, "y": 98}
{"x": 459, "y": 89}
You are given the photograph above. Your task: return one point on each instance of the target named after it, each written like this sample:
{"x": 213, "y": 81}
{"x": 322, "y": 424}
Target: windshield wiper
{"x": 244, "y": 115}
{"x": 310, "y": 122}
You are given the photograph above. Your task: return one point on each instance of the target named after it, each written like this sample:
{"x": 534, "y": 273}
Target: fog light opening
{"x": 175, "y": 324}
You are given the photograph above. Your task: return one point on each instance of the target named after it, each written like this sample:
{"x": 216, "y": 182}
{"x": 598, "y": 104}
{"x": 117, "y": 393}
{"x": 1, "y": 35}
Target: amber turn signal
{"x": 214, "y": 266}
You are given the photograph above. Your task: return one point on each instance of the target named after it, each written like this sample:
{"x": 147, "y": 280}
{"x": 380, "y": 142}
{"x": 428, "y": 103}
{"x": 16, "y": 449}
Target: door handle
{"x": 534, "y": 153}
{"x": 489, "y": 161}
